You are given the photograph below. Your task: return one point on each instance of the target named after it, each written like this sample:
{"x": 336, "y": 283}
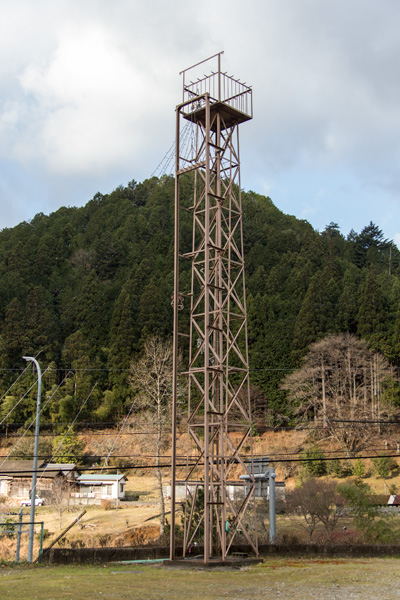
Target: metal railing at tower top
{"x": 220, "y": 86}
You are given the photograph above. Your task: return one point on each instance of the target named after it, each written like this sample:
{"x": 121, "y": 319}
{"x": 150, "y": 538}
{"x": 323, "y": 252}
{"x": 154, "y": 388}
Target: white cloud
{"x": 90, "y": 103}
{"x": 88, "y": 89}
{"x": 102, "y": 94}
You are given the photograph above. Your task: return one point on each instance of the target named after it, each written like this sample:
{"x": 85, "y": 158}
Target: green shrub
{"x": 313, "y": 461}
{"x": 8, "y": 527}
{"x": 375, "y": 525}
{"x": 46, "y": 534}
{"x": 358, "y": 469}
{"x": 384, "y": 466}
{"x": 334, "y": 467}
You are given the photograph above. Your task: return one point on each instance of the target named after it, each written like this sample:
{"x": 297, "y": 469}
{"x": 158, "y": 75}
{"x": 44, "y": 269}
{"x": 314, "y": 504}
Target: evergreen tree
{"x": 317, "y": 314}
{"x": 370, "y": 246}
{"x": 100, "y": 278}
{"x": 371, "y": 311}
{"x": 347, "y": 303}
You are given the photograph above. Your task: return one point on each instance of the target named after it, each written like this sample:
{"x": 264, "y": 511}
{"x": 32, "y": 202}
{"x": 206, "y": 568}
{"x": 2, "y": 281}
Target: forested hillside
{"x": 85, "y": 287}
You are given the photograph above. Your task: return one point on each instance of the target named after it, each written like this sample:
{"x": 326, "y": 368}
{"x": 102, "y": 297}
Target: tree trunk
{"x": 324, "y": 419}
{"x": 161, "y": 498}
{"x": 158, "y": 470}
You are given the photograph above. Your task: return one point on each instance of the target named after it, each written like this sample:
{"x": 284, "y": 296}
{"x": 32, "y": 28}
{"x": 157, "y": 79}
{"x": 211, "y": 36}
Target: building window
{"x": 107, "y": 490}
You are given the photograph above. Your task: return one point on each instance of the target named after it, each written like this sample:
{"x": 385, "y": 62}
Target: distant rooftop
{"x": 24, "y": 468}
{"x": 100, "y": 477}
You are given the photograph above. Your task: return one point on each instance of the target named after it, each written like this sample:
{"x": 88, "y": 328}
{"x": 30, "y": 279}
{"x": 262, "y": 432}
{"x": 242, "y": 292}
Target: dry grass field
{"x": 282, "y": 578}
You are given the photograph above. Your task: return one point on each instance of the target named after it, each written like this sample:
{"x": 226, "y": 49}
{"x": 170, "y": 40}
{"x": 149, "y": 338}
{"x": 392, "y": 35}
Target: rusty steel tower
{"x": 210, "y": 329}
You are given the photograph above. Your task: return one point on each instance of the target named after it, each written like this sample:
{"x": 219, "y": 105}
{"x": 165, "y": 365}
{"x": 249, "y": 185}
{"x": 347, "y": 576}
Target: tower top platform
{"x": 228, "y": 96}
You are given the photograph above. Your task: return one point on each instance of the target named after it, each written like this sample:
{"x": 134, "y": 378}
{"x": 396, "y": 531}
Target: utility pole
{"x": 35, "y": 458}
{"x": 272, "y": 506}
{"x": 21, "y": 514}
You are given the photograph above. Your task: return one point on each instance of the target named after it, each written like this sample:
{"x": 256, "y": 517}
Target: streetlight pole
{"x": 35, "y": 458}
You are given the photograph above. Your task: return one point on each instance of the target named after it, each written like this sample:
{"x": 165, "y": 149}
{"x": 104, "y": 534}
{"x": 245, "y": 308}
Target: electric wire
{"x": 272, "y": 457}
{"x": 34, "y": 420}
{"x": 264, "y": 369}
{"x": 6, "y": 392}
{"x": 169, "y": 156}
{"x": 191, "y": 463}
{"x": 72, "y": 424}
{"x": 139, "y": 433}
{"x": 119, "y": 433}
{"x": 20, "y": 400}
{"x": 266, "y": 428}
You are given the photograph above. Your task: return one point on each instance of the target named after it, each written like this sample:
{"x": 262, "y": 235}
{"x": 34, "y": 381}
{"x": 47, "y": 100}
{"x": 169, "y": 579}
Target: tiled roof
{"x": 24, "y": 468}
{"x": 66, "y": 468}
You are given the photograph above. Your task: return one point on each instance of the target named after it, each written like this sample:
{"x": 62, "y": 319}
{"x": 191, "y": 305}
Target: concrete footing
{"x": 197, "y": 562}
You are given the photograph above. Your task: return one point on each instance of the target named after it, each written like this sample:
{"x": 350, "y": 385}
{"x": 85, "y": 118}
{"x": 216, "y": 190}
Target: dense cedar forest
{"x": 84, "y": 287}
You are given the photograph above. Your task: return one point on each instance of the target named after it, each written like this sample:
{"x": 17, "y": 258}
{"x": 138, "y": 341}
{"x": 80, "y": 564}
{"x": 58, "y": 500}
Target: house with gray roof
{"x": 16, "y": 478}
{"x": 95, "y": 488}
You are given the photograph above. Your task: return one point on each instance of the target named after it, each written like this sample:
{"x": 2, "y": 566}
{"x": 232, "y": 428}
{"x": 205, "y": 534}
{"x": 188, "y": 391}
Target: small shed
{"x": 101, "y": 487}
{"x": 387, "y": 503}
{"x": 394, "y": 500}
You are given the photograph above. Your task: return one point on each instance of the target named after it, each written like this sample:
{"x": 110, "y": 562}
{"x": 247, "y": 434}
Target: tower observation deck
{"x": 229, "y": 97}
{"x": 210, "y": 319}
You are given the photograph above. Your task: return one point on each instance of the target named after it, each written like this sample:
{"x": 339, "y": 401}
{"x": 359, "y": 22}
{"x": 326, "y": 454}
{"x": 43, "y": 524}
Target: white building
{"x": 101, "y": 487}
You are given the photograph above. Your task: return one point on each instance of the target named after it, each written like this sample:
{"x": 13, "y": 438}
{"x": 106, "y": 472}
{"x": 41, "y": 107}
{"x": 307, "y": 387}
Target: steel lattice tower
{"x": 210, "y": 327}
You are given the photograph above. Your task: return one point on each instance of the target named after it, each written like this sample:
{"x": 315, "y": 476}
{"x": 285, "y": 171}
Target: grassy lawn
{"x": 295, "y": 579}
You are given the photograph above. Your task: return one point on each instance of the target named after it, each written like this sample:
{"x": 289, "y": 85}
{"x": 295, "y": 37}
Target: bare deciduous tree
{"x": 326, "y": 500}
{"x": 340, "y": 385}
{"x": 301, "y": 501}
{"x": 151, "y": 379}
{"x": 315, "y": 501}
{"x": 60, "y": 496}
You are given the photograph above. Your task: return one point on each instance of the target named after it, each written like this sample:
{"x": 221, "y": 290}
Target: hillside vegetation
{"x": 85, "y": 287}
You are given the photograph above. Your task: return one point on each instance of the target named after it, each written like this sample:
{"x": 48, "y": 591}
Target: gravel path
{"x": 331, "y": 579}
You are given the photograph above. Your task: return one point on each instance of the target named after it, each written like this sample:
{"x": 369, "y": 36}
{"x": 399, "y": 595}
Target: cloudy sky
{"x": 88, "y": 90}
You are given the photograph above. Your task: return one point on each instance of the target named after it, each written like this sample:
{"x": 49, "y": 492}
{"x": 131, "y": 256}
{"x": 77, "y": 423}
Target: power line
{"x": 19, "y": 377}
{"x": 260, "y": 369}
{"x": 195, "y": 464}
{"x": 72, "y": 424}
{"x": 94, "y": 434}
{"x": 34, "y": 420}
{"x": 245, "y": 457}
{"x": 119, "y": 433}
{"x": 266, "y": 428}
{"x": 20, "y": 400}
{"x": 139, "y": 433}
